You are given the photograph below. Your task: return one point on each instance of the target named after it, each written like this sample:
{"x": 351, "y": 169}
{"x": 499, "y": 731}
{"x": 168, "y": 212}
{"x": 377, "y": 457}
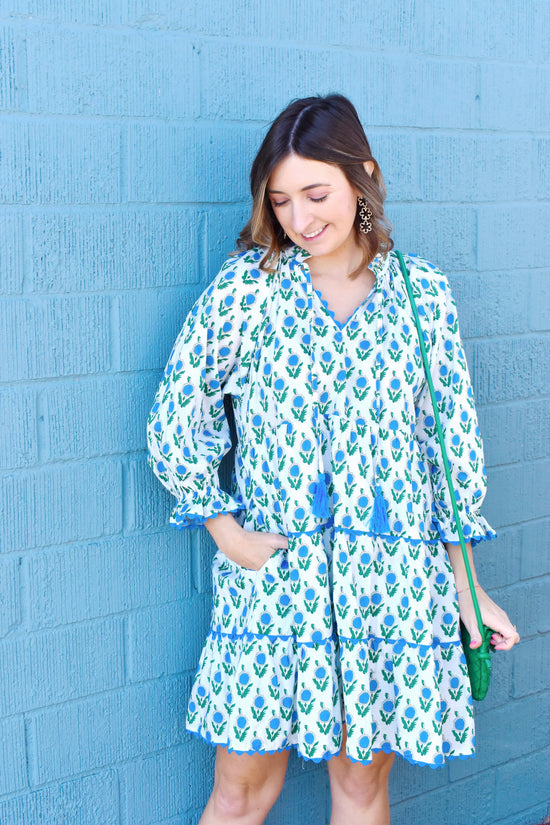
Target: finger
{"x": 473, "y": 630}
{"x": 278, "y": 541}
{"x": 502, "y": 641}
{"x": 506, "y": 645}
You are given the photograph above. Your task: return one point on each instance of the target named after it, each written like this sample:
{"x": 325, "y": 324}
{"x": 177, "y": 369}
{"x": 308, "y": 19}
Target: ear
{"x": 369, "y": 167}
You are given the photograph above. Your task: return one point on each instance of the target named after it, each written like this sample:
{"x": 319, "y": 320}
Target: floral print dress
{"x": 357, "y": 621}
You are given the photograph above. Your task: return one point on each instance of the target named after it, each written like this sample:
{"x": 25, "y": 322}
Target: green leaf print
{"x": 423, "y": 749}
{"x": 304, "y": 562}
{"x": 295, "y": 586}
{"x": 259, "y": 713}
{"x": 310, "y": 747}
{"x": 387, "y": 632}
{"x": 321, "y": 684}
{"x": 449, "y": 630}
{"x": 243, "y": 690}
{"x": 240, "y": 734}
{"x": 426, "y": 704}
{"x": 446, "y": 654}
{"x": 364, "y": 569}
{"x": 411, "y": 680}
{"x": 219, "y": 727}
{"x": 349, "y": 688}
{"x": 418, "y": 593}
{"x": 414, "y": 552}
{"x": 409, "y": 724}
{"x": 283, "y": 610}
{"x": 306, "y": 707}
{"x": 418, "y": 635}
{"x": 311, "y": 606}
{"x": 269, "y": 587}
{"x": 461, "y": 736}
{"x": 343, "y": 567}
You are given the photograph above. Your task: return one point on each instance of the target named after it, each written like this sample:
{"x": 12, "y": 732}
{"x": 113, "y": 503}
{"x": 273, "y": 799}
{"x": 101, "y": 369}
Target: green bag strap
{"x": 442, "y": 444}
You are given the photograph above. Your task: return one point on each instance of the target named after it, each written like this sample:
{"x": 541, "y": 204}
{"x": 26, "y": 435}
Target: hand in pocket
{"x": 250, "y": 549}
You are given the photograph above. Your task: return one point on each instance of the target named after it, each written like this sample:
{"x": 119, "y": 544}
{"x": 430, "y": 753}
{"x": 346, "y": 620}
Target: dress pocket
{"x": 224, "y": 565}
{"x": 239, "y": 592}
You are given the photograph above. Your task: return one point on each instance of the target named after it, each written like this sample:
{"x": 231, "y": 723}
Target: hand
{"x": 505, "y": 634}
{"x": 248, "y": 548}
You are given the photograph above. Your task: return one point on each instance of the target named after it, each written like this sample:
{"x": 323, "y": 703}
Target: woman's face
{"x": 315, "y": 204}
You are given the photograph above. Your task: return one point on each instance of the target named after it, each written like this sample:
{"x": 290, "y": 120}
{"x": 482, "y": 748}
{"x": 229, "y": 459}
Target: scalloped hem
{"x": 490, "y": 534}
{"x": 181, "y": 522}
{"x": 440, "y": 762}
{"x": 354, "y": 532}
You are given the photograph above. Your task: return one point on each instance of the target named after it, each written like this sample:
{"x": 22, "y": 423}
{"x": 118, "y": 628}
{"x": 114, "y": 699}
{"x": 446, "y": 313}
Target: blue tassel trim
{"x": 379, "y": 521}
{"x": 320, "y": 506}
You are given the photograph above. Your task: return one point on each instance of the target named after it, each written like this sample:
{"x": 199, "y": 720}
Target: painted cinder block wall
{"x": 127, "y": 128}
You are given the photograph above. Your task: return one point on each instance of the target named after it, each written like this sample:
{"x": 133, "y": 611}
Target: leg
{"x": 359, "y": 792}
{"x": 245, "y": 787}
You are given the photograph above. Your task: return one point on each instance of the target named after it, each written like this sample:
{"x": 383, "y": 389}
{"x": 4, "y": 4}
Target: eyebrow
{"x": 304, "y": 189}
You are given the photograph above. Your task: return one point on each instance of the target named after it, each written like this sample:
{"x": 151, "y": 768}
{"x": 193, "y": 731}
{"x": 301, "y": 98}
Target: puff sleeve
{"x": 458, "y": 417}
{"x": 187, "y": 430}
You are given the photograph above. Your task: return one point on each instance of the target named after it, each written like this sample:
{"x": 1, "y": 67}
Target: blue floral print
{"x": 357, "y": 622}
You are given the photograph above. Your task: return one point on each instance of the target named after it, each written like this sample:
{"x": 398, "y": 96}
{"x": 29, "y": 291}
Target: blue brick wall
{"x": 127, "y": 128}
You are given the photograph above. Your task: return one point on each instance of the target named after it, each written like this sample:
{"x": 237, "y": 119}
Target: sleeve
{"x": 187, "y": 431}
{"x": 458, "y": 416}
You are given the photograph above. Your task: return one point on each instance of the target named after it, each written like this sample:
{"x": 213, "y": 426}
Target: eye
{"x": 318, "y": 200}
{"x": 275, "y": 204}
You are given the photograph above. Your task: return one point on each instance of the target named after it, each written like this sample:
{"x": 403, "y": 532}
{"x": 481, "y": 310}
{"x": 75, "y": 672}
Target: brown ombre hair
{"x": 327, "y": 129}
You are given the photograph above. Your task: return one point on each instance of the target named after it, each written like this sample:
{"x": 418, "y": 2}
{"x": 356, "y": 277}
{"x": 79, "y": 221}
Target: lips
{"x": 313, "y": 236}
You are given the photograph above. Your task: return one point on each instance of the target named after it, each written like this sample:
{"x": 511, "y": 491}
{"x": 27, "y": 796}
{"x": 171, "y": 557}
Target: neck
{"x": 337, "y": 265}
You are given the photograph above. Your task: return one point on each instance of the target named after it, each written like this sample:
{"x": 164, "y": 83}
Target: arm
{"x": 457, "y": 413}
{"x": 465, "y": 452}
{"x": 188, "y": 434}
{"x": 505, "y": 634}
{"x": 187, "y": 431}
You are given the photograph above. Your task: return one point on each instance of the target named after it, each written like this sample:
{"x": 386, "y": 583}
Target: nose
{"x": 301, "y": 218}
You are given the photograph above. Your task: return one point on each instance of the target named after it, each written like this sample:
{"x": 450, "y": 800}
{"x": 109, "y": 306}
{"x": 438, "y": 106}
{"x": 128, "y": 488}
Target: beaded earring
{"x": 365, "y": 216}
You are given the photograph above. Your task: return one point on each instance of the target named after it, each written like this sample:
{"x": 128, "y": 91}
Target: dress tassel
{"x": 379, "y": 521}
{"x": 320, "y": 506}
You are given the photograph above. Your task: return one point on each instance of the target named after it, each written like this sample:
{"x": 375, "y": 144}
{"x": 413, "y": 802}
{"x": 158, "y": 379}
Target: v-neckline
{"x": 378, "y": 266}
{"x": 342, "y": 324}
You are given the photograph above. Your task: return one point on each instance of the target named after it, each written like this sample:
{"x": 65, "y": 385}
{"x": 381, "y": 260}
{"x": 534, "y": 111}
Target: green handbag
{"x": 478, "y": 659}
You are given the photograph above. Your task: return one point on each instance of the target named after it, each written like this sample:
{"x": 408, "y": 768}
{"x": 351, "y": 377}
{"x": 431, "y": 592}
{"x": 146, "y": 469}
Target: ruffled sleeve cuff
{"x": 195, "y": 508}
{"x": 474, "y": 526}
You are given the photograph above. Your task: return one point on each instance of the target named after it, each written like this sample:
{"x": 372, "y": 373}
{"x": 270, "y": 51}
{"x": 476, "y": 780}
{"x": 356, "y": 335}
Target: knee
{"x": 363, "y": 785}
{"x": 237, "y": 797}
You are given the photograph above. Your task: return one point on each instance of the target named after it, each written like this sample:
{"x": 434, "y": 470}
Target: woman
{"x": 338, "y": 579}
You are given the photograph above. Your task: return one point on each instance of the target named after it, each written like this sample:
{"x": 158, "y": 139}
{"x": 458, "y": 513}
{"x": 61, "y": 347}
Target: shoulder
{"x": 240, "y": 287}
{"x": 242, "y": 269}
{"x": 426, "y": 276}
{"x": 241, "y": 273}
{"x": 430, "y": 283}
{"x": 432, "y": 291}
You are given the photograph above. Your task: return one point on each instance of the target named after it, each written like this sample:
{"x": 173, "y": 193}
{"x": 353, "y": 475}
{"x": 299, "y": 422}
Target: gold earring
{"x": 365, "y": 216}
